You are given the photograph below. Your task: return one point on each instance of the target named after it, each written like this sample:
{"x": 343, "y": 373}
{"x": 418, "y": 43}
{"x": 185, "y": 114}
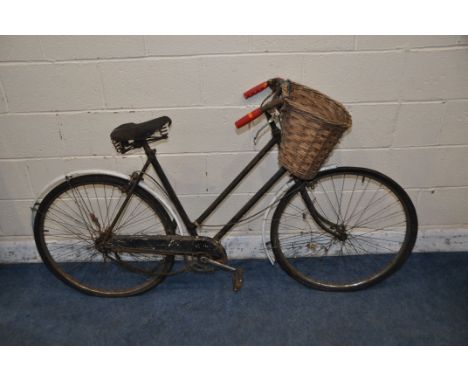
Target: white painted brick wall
{"x": 399, "y": 42}
{"x": 223, "y": 78}
{"x": 151, "y": 83}
{"x": 455, "y": 123}
{"x": 3, "y": 104}
{"x": 414, "y": 118}
{"x": 376, "y": 125}
{"x": 20, "y": 48}
{"x": 89, "y": 47}
{"x": 61, "y": 96}
{"x": 52, "y": 87}
{"x": 356, "y": 76}
{"x": 196, "y": 45}
{"x": 438, "y": 74}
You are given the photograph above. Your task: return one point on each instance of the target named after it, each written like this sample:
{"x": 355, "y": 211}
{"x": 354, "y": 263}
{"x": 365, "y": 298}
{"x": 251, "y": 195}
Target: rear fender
{"x": 158, "y": 194}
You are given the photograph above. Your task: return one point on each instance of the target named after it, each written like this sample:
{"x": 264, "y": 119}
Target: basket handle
{"x": 254, "y": 114}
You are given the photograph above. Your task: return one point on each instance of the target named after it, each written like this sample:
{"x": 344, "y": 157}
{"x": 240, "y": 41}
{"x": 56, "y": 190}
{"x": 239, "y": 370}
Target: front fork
{"x": 334, "y": 229}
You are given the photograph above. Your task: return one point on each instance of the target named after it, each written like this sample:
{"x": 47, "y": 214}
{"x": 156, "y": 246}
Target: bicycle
{"x": 346, "y": 228}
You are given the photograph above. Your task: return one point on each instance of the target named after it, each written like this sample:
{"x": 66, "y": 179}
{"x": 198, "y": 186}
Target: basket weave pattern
{"x": 312, "y": 125}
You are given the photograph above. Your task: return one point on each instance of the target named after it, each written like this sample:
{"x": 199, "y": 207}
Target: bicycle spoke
{"x": 350, "y": 200}
{"x": 359, "y": 201}
{"x": 77, "y": 218}
{"x": 330, "y": 203}
{"x": 368, "y": 205}
{"x": 337, "y": 201}
{"x": 99, "y": 206}
{"x": 370, "y": 230}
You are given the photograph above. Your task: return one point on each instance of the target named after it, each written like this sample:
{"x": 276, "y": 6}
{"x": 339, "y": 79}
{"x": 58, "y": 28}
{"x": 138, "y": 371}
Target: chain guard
{"x": 191, "y": 247}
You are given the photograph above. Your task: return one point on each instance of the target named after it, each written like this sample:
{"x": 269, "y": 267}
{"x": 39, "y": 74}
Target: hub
{"x": 102, "y": 244}
{"x": 340, "y": 232}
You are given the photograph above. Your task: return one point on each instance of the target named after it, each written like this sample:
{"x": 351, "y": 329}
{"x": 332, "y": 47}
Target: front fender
{"x": 157, "y": 194}
{"x": 273, "y": 203}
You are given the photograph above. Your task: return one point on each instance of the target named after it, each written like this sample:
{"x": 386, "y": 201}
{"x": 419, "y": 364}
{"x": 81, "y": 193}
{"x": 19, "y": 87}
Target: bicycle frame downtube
{"x": 192, "y": 226}
{"x": 273, "y": 141}
{"x": 271, "y": 182}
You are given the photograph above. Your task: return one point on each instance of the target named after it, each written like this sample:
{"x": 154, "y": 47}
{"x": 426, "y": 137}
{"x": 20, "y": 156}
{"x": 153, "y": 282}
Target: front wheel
{"x": 346, "y": 229}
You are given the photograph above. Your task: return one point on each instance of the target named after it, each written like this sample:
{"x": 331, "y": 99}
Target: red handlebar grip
{"x": 249, "y": 117}
{"x": 256, "y": 89}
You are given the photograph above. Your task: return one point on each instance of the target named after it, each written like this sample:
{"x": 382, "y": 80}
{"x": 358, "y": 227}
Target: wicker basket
{"x": 312, "y": 124}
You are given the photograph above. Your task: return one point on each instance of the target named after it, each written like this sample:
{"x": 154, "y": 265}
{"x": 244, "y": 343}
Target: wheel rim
{"x": 359, "y": 232}
{"x": 71, "y": 224}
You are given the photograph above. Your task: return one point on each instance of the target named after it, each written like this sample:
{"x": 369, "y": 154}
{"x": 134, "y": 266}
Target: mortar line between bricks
{"x": 5, "y": 238}
{"x": 217, "y": 153}
{"x": 232, "y": 54}
{"x": 215, "y": 194}
{"x": 145, "y": 45}
{"x": 41, "y": 48}
{"x": 101, "y": 82}
{"x": 180, "y": 194}
{"x": 271, "y": 193}
{"x": 133, "y": 110}
{"x": 28, "y": 180}
{"x": 187, "y": 57}
{"x": 160, "y": 155}
{"x": 440, "y": 48}
{"x": 13, "y": 237}
{"x": 3, "y": 94}
{"x": 217, "y": 107}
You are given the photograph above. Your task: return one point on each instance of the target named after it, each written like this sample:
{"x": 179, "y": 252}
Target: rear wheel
{"x": 346, "y": 229}
{"x": 70, "y": 221}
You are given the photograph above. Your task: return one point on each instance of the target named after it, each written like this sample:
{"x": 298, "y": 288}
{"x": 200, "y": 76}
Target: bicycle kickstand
{"x": 237, "y": 273}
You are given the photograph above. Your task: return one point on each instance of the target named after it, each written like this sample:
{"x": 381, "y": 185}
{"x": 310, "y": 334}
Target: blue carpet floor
{"x": 425, "y": 303}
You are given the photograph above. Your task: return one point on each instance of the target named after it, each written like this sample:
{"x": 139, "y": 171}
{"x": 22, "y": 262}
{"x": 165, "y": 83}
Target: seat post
{"x": 151, "y": 154}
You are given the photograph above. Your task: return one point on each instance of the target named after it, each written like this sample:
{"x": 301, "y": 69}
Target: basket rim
{"x": 299, "y": 107}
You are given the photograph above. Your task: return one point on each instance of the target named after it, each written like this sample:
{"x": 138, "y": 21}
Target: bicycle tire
{"x": 287, "y": 263}
{"x": 58, "y": 269}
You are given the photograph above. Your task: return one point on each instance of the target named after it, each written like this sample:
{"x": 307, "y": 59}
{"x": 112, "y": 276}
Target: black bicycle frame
{"x": 192, "y": 226}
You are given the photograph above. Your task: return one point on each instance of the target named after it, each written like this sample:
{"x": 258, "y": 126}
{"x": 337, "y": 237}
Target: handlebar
{"x": 254, "y": 114}
{"x": 256, "y": 89}
{"x": 272, "y": 84}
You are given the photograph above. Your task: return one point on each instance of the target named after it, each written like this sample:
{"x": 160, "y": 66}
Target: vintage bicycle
{"x": 338, "y": 229}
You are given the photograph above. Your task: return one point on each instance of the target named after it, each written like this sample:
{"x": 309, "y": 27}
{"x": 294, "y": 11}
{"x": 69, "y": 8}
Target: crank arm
{"x": 225, "y": 267}
{"x": 237, "y": 273}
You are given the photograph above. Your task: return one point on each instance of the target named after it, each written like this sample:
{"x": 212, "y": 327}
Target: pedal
{"x": 237, "y": 279}
{"x": 237, "y": 273}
